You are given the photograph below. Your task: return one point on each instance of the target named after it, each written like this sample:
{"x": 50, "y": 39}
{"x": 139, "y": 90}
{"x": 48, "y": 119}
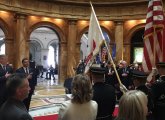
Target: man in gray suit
{"x": 18, "y": 89}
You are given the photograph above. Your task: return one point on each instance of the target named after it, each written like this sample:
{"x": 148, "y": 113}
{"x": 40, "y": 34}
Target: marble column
{"x": 119, "y": 40}
{"x": 78, "y": 52}
{"x": 72, "y": 35}
{"x": 9, "y": 50}
{"x": 62, "y": 69}
{"x": 21, "y": 40}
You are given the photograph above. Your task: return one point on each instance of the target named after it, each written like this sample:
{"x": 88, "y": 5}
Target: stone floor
{"x": 47, "y": 98}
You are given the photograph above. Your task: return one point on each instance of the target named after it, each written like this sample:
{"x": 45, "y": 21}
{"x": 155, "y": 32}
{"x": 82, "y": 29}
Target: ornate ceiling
{"x": 79, "y": 9}
{"x": 97, "y": 2}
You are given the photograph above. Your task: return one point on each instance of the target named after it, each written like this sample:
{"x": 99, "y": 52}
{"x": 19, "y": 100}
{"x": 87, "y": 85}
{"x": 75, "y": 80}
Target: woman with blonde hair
{"x": 80, "y": 107}
{"x": 133, "y": 106}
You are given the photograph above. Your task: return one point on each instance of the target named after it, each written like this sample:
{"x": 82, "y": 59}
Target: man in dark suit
{"x": 5, "y": 71}
{"x": 124, "y": 74}
{"x": 110, "y": 75}
{"x": 158, "y": 91}
{"x": 31, "y": 77}
{"x": 103, "y": 94}
{"x": 18, "y": 89}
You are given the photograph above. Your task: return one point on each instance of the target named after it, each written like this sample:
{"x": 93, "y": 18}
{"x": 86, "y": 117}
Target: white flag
{"x": 95, "y": 40}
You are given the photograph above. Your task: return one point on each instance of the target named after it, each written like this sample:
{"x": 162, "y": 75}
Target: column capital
{"x": 118, "y": 22}
{"x": 20, "y": 16}
{"x": 72, "y": 21}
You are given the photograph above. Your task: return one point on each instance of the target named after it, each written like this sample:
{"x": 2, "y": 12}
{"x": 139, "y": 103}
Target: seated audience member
{"x": 133, "y": 106}
{"x": 14, "y": 108}
{"x": 158, "y": 91}
{"x": 80, "y": 107}
{"x": 139, "y": 80}
{"x": 103, "y": 94}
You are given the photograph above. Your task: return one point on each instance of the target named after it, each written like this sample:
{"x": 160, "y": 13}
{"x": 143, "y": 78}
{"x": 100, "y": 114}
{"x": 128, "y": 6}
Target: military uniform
{"x": 103, "y": 94}
{"x": 158, "y": 91}
{"x": 142, "y": 78}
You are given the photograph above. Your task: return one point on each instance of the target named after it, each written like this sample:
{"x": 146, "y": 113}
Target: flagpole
{"x": 154, "y": 65}
{"x": 163, "y": 39}
{"x": 122, "y": 87}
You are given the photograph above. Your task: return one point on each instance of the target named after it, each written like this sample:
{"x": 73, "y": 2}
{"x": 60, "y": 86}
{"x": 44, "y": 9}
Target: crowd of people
{"x": 143, "y": 101}
{"x": 94, "y": 95}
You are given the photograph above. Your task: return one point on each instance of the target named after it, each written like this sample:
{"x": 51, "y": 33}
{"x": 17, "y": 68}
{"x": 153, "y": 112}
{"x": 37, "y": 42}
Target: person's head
{"x": 109, "y": 64}
{"x": 120, "y": 65}
{"x": 124, "y": 63}
{"x": 25, "y": 62}
{"x": 97, "y": 74}
{"x": 161, "y": 68}
{"x": 133, "y": 106}
{"x": 139, "y": 77}
{"x": 136, "y": 66}
{"x": 18, "y": 86}
{"x": 81, "y": 89}
{"x": 3, "y": 59}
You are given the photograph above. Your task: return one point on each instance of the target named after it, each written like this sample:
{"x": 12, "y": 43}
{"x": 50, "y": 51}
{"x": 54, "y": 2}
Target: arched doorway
{"x": 137, "y": 46}
{"x": 2, "y": 42}
{"x": 44, "y": 48}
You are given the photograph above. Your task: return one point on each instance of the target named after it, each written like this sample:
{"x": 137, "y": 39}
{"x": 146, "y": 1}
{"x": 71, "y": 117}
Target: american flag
{"x": 153, "y": 35}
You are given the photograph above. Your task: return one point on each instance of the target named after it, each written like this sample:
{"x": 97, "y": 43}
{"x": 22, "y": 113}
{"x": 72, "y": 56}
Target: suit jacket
{"x": 71, "y": 111}
{"x": 13, "y": 109}
{"x": 104, "y": 95}
{"x": 31, "y": 81}
{"x": 3, "y": 82}
{"x": 110, "y": 79}
{"x": 126, "y": 80}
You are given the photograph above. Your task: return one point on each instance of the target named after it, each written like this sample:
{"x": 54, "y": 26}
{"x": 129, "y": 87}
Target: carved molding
{"x": 72, "y": 22}
{"x": 54, "y": 10}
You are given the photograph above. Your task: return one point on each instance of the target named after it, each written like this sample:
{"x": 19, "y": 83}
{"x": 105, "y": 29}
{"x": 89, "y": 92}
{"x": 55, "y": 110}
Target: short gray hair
{"x": 13, "y": 82}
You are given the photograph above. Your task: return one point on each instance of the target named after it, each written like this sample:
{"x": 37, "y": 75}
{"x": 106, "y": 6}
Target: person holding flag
{"x": 153, "y": 38}
{"x": 103, "y": 94}
{"x": 154, "y": 42}
{"x": 95, "y": 40}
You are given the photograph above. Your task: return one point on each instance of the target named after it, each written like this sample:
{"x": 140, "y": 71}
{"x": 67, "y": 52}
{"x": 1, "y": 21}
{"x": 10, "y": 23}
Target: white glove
{"x": 153, "y": 73}
{"x": 123, "y": 88}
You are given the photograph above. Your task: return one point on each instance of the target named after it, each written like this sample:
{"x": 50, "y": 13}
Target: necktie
{"x": 26, "y": 70}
